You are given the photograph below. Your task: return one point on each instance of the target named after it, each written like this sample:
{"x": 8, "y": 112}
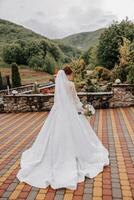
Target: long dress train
{"x": 66, "y": 149}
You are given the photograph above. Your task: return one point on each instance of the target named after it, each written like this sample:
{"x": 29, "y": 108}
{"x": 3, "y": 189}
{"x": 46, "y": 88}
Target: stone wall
{"x": 123, "y": 95}
{"x": 27, "y": 103}
{"x": 120, "y": 96}
{"x": 40, "y": 102}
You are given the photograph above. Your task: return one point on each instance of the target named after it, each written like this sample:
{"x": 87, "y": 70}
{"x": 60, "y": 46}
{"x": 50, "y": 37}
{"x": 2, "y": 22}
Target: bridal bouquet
{"x": 90, "y": 110}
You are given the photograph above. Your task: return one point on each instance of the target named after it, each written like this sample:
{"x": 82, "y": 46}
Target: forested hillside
{"x": 25, "y": 47}
{"x": 82, "y": 41}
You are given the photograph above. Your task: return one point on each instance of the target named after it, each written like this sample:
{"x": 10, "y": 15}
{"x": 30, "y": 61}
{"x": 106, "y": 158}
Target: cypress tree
{"x": 8, "y": 81}
{"x": 16, "y": 80}
{"x": 1, "y": 83}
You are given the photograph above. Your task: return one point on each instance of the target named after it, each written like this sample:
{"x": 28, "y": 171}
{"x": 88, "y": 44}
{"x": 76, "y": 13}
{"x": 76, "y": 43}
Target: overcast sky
{"x": 60, "y": 18}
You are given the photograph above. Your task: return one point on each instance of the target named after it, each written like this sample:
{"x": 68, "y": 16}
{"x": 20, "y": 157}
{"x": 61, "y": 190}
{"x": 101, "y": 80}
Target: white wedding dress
{"x": 66, "y": 149}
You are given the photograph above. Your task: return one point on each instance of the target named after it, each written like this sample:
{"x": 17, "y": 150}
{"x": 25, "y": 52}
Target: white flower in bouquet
{"x": 90, "y": 110}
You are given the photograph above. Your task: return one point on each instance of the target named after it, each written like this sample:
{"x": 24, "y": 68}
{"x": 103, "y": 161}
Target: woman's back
{"x": 66, "y": 148}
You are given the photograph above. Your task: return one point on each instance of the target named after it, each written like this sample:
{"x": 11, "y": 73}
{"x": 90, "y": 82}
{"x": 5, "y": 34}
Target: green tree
{"x": 45, "y": 46}
{"x": 24, "y": 52}
{"x": 90, "y": 58}
{"x": 12, "y": 53}
{"x": 8, "y": 81}
{"x": 1, "y": 83}
{"x": 16, "y": 80}
{"x": 110, "y": 41}
{"x": 34, "y": 48}
{"x": 70, "y": 51}
{"x": 130, "y": 76}
{"x": 56, "y": 52}
{"x": 50, "y": 64}
{"x": 36, "y": 62}
{"x": 120, "y": 70}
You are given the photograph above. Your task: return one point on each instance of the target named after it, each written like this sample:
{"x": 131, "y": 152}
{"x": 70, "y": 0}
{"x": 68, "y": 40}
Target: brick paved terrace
{"x": 114, "y": 127}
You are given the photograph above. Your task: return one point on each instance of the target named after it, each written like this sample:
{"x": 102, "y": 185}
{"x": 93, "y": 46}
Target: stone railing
{"x": 28, "y": 102}
{"x": 123, "y": 95}
{"x": 118, "y": 97}
{"x": 41, "y": 102}
{"x": 26, "y": 89}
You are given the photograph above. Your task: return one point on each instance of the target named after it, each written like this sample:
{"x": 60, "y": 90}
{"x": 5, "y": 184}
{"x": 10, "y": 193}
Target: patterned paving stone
{"x": 58, "y": 197}
{"x": 114, "y": 127}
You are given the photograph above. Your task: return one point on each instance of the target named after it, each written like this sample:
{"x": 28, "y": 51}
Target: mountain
{"x": 82, "y": 41}
{"x": 61, "y": 50}
{"x": 11, "y": 33}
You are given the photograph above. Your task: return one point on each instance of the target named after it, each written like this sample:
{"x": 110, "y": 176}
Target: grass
{"x": 28, "y": 75}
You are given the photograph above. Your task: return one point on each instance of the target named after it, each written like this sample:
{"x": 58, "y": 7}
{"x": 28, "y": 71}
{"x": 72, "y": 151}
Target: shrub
{"x": 90, "y": 87}
{"x": 36, "y": 62}
{"x": 119, "y": 73}
{"x": 102, "y": 73}
{"x": 130, "y": 76}
{"x": 50, "y": 64}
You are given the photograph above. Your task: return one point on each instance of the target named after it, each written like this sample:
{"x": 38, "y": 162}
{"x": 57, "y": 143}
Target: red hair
{"x": 67, "y": 70}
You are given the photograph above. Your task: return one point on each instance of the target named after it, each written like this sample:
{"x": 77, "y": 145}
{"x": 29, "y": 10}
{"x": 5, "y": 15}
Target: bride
{"x": 66, "y": 149}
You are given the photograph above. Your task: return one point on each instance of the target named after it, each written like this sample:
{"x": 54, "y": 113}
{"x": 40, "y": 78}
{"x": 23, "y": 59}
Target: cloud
{"x": 92, "y": 18}
{"x": 1, "y": 1}
{"x": 57, "y": 19}
{"x": 40, "y": 13}
{"x": 77, "y": 19}
{"x": 49, "y": 29}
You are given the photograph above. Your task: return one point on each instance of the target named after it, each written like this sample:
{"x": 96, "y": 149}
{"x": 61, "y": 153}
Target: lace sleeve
{"x": 76, "y": 99}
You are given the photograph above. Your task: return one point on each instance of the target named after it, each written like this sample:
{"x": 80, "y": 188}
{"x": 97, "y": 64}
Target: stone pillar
{"x": 122, "y": 95}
